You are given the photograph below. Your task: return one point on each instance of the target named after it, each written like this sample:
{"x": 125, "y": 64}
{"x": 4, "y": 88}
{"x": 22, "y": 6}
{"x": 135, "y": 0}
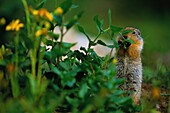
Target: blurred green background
{"x": 151, "y": 17}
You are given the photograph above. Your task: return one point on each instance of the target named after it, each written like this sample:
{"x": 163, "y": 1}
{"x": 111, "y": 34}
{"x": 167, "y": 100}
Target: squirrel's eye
{"x": 138, "y": 33}
{"x": 134, "y": 32}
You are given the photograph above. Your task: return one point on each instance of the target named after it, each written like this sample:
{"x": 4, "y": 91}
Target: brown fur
{"x": 129, "y": 65}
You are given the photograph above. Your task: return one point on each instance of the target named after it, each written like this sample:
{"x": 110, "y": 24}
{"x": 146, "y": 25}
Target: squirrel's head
{"x": 131, "y": 39}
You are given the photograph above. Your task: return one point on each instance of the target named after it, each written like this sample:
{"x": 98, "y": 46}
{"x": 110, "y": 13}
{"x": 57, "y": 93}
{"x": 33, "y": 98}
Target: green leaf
{"x": 47, "y": 56}
{"x": 123, "y": 100}
{"x": 55, "y": 70}
{"x": 82, "y": 31}
{"x": 2, "y": 62}
{"x": 118, "y": 92}
{"x": 68, "y": 45}
{"x": 66, "y": 5}
{"x": 119, "y": 111}
{"x": 35, "y": 1}
{"x": 57, "y": 51}
{"x": 110, "y": 46}
{"x": 32, "y": 83}
{"x": 25, "y": 63}
{"x": 99, "y": 24}
{"x": 65, "y": 65}
{"x": 47, "y": 42}
{"x": 72, "y": 101}
{"x": 57, "y": 19}
{"x": 55, "y": 36}
{"x": 125, "y": 32}
{"x": 61, "y": 49}
{"x": 115, "y": 43}
{"x": 104, "y": 44}
{"x": 110, "y": 17}
{"x": 74, "y": 6}
{"x": 115, "y": 29}
{"x": 27, "y": 41}
{"x": 41, "y": 4}
{"x": 68, "y": 80}
{"x": 119, "y": 80}
{"x": 101, "y": 42}
{"x": 129, "y": 40}
{"x": 83, "y": 90}
{"x": 74, "y": 20}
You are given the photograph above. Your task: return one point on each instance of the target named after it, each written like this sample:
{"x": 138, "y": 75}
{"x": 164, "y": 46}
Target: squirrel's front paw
{"x": 123, "y": 43}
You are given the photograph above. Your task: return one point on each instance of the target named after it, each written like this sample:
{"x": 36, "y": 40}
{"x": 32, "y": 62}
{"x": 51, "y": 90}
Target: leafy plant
{"x": 35, "y": 79}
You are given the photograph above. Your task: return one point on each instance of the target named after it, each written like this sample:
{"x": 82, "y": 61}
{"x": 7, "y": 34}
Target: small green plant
{"x": 37, "y": 80}
{"x": 156, "y": 89}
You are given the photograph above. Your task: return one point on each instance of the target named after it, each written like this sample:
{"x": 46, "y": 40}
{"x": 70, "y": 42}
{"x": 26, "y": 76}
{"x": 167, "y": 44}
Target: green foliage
{"x": 158, "y": 78}
{"x": 38, "y": 80}
{"x": 66, "y": 5}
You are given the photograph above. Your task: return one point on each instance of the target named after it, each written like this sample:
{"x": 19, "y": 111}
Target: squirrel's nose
{"x": 139, "y": 37}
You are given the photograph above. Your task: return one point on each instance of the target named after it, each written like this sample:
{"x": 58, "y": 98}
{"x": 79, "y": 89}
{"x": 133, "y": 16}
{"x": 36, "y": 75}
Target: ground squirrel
{"x": 129, "y": 65}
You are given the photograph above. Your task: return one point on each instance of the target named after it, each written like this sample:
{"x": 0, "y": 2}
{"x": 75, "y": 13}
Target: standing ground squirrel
{"x": 129, "y": 65}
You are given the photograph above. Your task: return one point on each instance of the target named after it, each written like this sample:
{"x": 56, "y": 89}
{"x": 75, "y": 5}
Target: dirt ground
{"x": 155, "y": 99}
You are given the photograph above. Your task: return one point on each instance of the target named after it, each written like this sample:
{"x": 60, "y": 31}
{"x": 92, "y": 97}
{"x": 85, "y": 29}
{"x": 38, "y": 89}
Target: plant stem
{"x": 101, "y": 33}
{"x": 40, "y": 57}
{"x": 97, "y": 37}
{"x": 107, "y": 29}
{"x": 33, "y": 51}
{"x": 61, "y": 38}
{"x": 14, "y": 80}
{"x": 60, "y": 43}
{"x": 27, "y": 16}
{"x": 33, "y": 62}
{"x": 16, "y": 55}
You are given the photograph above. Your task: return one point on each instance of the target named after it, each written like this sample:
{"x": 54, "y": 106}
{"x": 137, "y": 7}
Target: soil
{"x": 156, "y": 99}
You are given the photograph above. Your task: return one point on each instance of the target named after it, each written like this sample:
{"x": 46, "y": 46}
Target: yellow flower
{"x": 114, "y": 61}
{"x": 2, "y": 21}
{"x": 1, "y": 75}
{"x": 44, "y": 31}
{"x": 10, "y": 68}
{"x": 49, "y": 16}
{"x": 2, "y": 52}
{"x": 4, "y": 83}
{"x": 15, "y": 25}
{"x": 47, "y": 25}
{"x": 42, "y": 13}
{"x": 59, "y": 11}
{"x": 40, "y": 32}
{"x": 156, "y": 92}
{"x": 35, "y": 12}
